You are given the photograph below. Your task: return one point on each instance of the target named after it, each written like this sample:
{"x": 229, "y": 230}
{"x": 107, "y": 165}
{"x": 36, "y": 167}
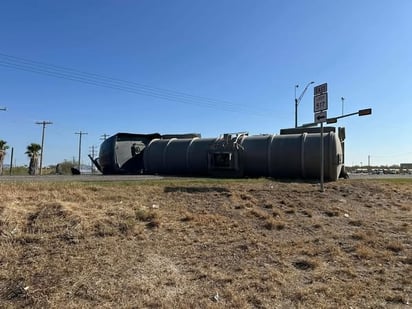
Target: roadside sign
{"x": 321, "y": 117}
{"x": 320, "y": 102}
{"x": 321, "y": 89}
{"x": 320, "y": 105}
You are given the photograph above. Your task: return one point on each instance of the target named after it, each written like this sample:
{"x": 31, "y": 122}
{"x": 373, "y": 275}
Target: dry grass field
{"x": 192, "y": 243}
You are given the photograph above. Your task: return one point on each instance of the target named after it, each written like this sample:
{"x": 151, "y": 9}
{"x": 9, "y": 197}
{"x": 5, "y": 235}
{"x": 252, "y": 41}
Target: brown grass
{"x": 205, "y": 244}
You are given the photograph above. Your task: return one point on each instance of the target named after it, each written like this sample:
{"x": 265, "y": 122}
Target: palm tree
{"x": 3, "y": 148}
{"x": 33, "y": 152}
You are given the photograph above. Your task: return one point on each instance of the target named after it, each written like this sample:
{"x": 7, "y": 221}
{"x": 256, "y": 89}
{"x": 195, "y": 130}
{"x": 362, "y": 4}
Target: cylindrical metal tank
{"x": 290, "y": 156}
{"x": 153, "y": 155}
{"x": 284, "y": 155}
{"x": 177, "y": 156}
{"x": 254, "y": 154}
{"x": 197, "y": 156}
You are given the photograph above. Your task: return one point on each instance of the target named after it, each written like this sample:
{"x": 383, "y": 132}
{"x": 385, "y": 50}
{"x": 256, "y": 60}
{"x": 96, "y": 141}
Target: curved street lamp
{"x": 297, "y": 101}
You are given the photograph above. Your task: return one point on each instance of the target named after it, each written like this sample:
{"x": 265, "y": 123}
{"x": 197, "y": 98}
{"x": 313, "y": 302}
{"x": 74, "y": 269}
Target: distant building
{"x": 406, "y": 167}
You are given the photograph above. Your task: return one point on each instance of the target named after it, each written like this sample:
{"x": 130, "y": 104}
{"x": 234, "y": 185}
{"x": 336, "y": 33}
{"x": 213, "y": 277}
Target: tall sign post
{"x": 320, "y": 106}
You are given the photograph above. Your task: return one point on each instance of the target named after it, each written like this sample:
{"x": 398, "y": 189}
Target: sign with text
{"x": 320, "y": 102}
{"x": 321, "y": 89}
{"x": 321, "y": 117}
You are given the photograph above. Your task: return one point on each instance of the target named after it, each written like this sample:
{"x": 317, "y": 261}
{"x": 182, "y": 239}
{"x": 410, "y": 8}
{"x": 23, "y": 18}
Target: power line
{"x": 27, "y": 65}
{"x": 106, "y": 78}
{"x": 124, "y": 88}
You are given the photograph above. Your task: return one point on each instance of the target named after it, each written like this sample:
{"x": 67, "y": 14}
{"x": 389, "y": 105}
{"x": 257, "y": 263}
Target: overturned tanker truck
{"x": 294, "y": 153}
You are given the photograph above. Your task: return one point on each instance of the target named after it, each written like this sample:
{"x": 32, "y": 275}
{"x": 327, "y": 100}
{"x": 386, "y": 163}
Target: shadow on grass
{"x": 194, "y": 190}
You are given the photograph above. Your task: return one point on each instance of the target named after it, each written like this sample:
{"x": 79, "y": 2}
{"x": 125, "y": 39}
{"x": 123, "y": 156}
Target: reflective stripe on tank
{"x": 188, "y": 151}
{"x": 269, "y": 154}
{"x": 302, "y": 155}
{"x": 146, "y": 162}
{"x": 165, "y": 168}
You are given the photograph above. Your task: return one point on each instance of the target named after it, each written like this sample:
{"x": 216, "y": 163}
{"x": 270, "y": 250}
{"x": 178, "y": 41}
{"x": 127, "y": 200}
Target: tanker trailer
{"x": 196, "y": 156}
{"x": 122, "y": 153}
{"x": 295, "y": 153}
{"x": 240, "y": 155}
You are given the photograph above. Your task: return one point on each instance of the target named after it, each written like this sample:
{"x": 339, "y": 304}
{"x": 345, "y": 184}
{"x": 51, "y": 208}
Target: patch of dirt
{"x": 190, "y": 243}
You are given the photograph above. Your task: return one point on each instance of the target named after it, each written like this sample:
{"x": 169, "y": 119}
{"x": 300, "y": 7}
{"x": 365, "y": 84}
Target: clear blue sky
{"x": 240, "y": 59}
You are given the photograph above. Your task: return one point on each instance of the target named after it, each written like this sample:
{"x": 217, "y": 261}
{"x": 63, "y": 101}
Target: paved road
{"x": 380, "y": 176}
{"x": 85, "y": 178}
{"x": 102, "y": 178}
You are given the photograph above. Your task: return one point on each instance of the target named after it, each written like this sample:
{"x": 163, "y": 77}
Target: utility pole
{"x": 11, "y": 160}
{"x": 104, "y": 137}
{"x": 11, "y": 166}
{"x": 80, "y": 133}
{"x": 43, "y": 123}
{"x": 297, "y": 101}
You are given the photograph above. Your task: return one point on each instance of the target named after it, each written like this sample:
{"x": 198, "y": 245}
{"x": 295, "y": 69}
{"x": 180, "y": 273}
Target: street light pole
{"x": 343, "y": 100}
{"x": 297, "y": 101}
{"x": 369, "y": 164}
{"x": 296, "y": 107}
{"x": 43, "y": 123}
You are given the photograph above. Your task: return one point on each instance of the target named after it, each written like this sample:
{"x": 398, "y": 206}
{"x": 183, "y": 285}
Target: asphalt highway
{"x": 379, "y": 176}
{"x": 78, "y": 178}
{"x": 111, "y": 178}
